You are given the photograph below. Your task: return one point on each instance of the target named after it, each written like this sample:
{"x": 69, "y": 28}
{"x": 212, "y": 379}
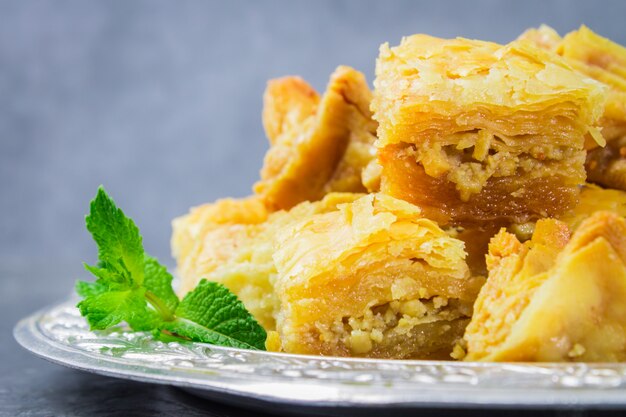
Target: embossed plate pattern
{"x": 262, "y": 379}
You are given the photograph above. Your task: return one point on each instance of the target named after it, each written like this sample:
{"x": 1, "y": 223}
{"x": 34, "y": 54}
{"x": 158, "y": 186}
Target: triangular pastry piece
{"x": 541, "y": 303}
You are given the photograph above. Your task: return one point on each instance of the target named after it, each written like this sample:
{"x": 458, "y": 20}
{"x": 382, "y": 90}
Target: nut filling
{"x": 424, "y": 328}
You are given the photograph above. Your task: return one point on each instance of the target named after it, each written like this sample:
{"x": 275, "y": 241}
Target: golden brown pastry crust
{"x": 593, "y": 199}
{"x": 487, "y": 140}
{"x": 598, "y": 58}
{"x": 473, "y": 131}
{"x": 188, "y": 229}
{"x": 554, "y": 298}
{"x": 287, "y": 103}
{"x": 607, "y": 166}
{"x": 232, "y": 242}
{"x": 372, "y": 279}
{"x": 317, "y": 146}
{"x": 605, "y": 61}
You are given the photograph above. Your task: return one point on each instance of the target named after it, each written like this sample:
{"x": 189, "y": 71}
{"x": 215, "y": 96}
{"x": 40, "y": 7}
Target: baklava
{"x": 605, "y": 61}
{"x": 232, "y": 242}
{"x": 318, "y": 144}
{"x": 553, "y": 298}
{"x": 372, "y": 279}
{"x": 476, "y": 132}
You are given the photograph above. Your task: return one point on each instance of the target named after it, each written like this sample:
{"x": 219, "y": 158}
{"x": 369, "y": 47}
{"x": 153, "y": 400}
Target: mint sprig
{"x": 135, "y": 288}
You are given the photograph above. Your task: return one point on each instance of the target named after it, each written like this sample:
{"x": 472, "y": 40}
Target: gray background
{"x": 160, "y": 101}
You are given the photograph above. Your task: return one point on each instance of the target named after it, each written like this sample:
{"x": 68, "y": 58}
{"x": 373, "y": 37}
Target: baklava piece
{"x": 212, "y": 242}
{"x": 473, "y": 131}
{"x": 372, "y": 279}
{"x": 592, "y": 199}
{"x": 190, "y": 228}
{"x": 605, "y": 61}
{"x": 318, "y": 145}
{"x": 554, "y": 298}
{"x": 232, "y": 242}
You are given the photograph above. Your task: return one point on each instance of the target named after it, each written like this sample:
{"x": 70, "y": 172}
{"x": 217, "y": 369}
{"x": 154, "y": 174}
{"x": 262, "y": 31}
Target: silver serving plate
{"x": 302, "y": 384}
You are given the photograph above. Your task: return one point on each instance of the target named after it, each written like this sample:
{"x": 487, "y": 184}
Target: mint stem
{"x": 159, "y": 306}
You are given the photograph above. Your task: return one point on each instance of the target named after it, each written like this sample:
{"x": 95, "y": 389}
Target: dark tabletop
{"x": 30, "y": 386}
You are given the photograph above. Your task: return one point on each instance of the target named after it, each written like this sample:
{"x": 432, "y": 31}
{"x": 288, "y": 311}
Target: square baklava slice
{"x": 372, "y": 279}
{"x": 473, "y": 131}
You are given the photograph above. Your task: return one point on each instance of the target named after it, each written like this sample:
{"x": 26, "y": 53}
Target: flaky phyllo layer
{"x": 374, "y": 279}
{"x": 233, "y": 241}
{"x": 604, "y": 61}
{"x": 474, "y": 131}
{"x": 554, "y": 298}
{"x": 598, "y": 58}
{"x": 318, "y": 144}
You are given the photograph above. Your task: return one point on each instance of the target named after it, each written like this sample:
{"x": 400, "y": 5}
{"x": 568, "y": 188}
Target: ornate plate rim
{"x": 265, "y": 379}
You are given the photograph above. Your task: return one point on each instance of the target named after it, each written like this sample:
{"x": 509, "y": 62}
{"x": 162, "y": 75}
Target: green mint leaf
{"x": 159, "y": 282}
{"x": 109, "y": 277}
{"x": 212, "y": 314}
{"x": 104, "y": 308}
{"x": 118, "y": 293}
{"x": 110, "y": 308}
{"x": 119, "y": 242}
{"x": 144, "y": 318}
{"x": 89, "y": 289}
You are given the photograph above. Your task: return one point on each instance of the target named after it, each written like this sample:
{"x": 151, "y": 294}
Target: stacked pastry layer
{"x": 317, "y": 145}
{"x": 605, "y": 61}
{"x": 472, "y": 131}
{"x": 554, "y": 299}
{"x": 233, "y": 242}
{"x": 372, "y": 279}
